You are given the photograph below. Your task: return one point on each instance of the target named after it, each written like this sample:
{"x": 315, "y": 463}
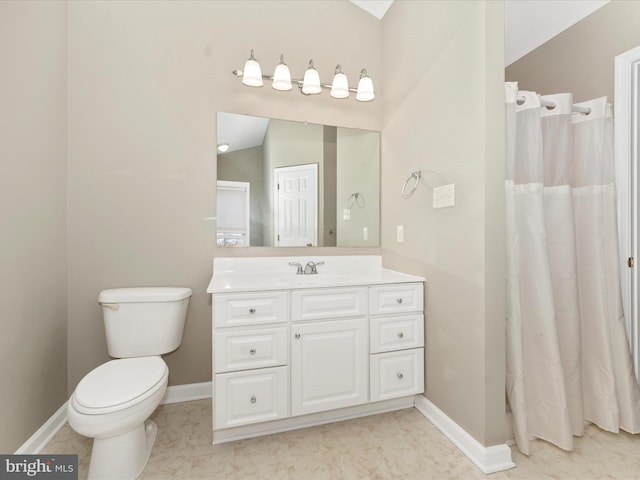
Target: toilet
{"x": 112, "y": 403}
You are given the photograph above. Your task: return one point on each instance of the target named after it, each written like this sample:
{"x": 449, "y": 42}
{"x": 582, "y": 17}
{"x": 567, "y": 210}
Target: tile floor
{"x": 397, "y": 445}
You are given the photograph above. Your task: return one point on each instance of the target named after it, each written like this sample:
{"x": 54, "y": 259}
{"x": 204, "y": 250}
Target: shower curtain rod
{"x": 574, "y": 108}
{"x": 551, "y": 103}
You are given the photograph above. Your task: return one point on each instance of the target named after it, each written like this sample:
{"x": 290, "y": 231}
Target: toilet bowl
{"x": 112, "y": 404}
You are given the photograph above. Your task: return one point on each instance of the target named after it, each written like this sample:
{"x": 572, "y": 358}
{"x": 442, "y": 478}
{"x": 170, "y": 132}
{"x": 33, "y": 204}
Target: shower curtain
{"x": 568, "y": 358}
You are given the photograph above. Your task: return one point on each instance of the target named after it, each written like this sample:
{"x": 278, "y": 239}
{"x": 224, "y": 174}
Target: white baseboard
{"x": 174, "y": 394}
{"x": 45, "y": 433}
{"x": 487, "y": 459}
{"x": 187, "y": 393}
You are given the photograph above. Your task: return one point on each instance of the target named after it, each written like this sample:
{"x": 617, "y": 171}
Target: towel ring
{"x": 355, "y": 199}
{"x": 416, "y": 176}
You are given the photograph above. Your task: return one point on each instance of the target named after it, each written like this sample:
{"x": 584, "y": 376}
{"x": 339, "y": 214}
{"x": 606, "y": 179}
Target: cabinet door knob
{"x": 252, "y": 351}
{"x": 297, "y": 335}
{"x": 253, "y": 399}
{"x": 399, "y": 300}
{"x": 252, "y": 311}
{"x": 400, "y": 335}
{"x": 400, "y": 376}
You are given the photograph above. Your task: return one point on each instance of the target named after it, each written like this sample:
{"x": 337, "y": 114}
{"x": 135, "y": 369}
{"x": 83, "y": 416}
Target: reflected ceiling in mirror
{"x": 284, "y": 183}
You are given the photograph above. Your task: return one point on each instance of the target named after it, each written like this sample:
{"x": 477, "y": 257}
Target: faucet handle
{"x": 298, "y": 266}
{"x": 310, "y": 268}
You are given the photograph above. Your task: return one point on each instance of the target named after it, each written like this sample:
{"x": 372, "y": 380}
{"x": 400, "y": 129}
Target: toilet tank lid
{"x": 144, "y": 294}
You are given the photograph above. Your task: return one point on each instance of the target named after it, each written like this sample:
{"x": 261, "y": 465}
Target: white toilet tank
{"x": 144, "y": 321}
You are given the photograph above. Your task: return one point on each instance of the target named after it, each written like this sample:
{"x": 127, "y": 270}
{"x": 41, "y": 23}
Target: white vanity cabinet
{"x": 291, "y": 351}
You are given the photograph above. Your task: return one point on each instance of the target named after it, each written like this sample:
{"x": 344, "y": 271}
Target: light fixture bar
{"x": 299, "y": 82}
{"x": 309, "y": 85}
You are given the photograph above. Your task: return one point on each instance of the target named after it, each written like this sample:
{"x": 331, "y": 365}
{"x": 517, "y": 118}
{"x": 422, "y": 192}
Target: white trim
{"x": 626, "y": 143}
{"x": 488, "y": 459}
{"x": 45, "y": 433}
{"x": 187, "y": 393}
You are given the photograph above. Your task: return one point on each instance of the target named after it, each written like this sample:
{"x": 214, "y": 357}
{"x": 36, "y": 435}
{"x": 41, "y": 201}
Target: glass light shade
{"x": 281, "y": 76}
{"x": 311, "y": 81}
{"x": 252, "y": 75}
{"x": 365, "y": 88}
{"x": 340, "y": 85}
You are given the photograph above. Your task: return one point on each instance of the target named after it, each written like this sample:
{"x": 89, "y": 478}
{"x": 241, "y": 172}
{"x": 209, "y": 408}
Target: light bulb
{"x": 252, "y": 75}
{"x": 281, "y": 76}
{"x": 340, "y": 85}
{"x": 365, "y": 88}
{"x": 311, "y": 80}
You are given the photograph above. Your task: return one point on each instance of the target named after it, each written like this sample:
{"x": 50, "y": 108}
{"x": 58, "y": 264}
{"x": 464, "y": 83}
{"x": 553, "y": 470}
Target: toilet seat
{"x": 119, "y": 384}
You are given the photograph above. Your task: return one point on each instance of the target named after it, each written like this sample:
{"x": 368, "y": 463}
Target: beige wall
{"x": 33, "y": 217}
{"x": 443, "y": 114}
{"x": 146, "y": 80}
{"x": 581, "y": 59}
{"x": 358, "y": 174}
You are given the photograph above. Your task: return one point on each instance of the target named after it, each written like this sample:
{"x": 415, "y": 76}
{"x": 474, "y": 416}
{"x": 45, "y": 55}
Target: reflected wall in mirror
{"x": 305, "y": 184}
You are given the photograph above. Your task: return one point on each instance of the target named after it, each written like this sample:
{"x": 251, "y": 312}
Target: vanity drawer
{"x": 249, "y": 309}
{"x": 329, "y": 303}
{"x": 246, "y": 349}
{"x": 250, "y": 397}
{"x": 403, "y": 297}
{"x": 396, "y": 333}
{"x": 397, "y": 374}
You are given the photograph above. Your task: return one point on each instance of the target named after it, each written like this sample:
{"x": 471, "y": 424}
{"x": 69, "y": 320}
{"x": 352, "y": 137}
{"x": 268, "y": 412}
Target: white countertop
{"x": 274, "y": 273}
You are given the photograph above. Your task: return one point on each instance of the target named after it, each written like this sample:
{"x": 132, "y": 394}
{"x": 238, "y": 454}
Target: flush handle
{"x": 112, "y": 306}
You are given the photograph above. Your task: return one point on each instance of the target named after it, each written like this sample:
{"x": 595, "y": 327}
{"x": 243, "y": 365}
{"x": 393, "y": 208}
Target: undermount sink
{"x": 315, "y": 279}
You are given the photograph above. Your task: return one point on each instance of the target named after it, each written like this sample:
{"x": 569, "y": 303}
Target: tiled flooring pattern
{"x": 398, "y": 445}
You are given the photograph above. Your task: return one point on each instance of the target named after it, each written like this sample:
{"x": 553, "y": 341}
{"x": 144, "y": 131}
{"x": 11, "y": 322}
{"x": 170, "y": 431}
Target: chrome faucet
{"x": 310, "y": 267}
{"x": 299, "y": 267}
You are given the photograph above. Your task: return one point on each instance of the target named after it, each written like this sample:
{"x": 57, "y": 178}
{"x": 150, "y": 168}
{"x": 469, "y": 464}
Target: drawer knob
{"x": 399, "y": 300}
{"x": 252, "y": 311}
{"x": 253, "y": 399}
{"x": 400, "y": 376}
{"x": 400, "y": 335}
{"x": 297, "y": 335}
{"x": 252, "y": 351}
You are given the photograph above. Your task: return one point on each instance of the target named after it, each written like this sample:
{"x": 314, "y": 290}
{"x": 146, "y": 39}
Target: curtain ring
{"x": 416, "y": 176}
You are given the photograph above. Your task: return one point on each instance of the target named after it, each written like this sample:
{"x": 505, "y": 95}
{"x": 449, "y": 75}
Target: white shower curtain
{"x": 568, "y": 359}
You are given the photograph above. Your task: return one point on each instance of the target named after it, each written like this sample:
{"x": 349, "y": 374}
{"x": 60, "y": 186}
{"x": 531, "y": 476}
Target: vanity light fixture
{"x": 310, "y": 84}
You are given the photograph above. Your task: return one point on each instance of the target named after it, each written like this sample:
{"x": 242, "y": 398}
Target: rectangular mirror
{"x": 284, "y": 183}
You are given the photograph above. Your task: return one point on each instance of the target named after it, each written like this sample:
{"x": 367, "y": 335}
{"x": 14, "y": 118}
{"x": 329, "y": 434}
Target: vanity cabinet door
{"x": 399, "y": 332}
{"x": 329, "y": 365}
{"x": 325, "y": 303}
{"x": 241, "y": 309}
{"x": 397, "y": 374}
{"x": 252, "y": 396}
{"x": 235, "y": 349}
{"x": 393, "y": 299}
